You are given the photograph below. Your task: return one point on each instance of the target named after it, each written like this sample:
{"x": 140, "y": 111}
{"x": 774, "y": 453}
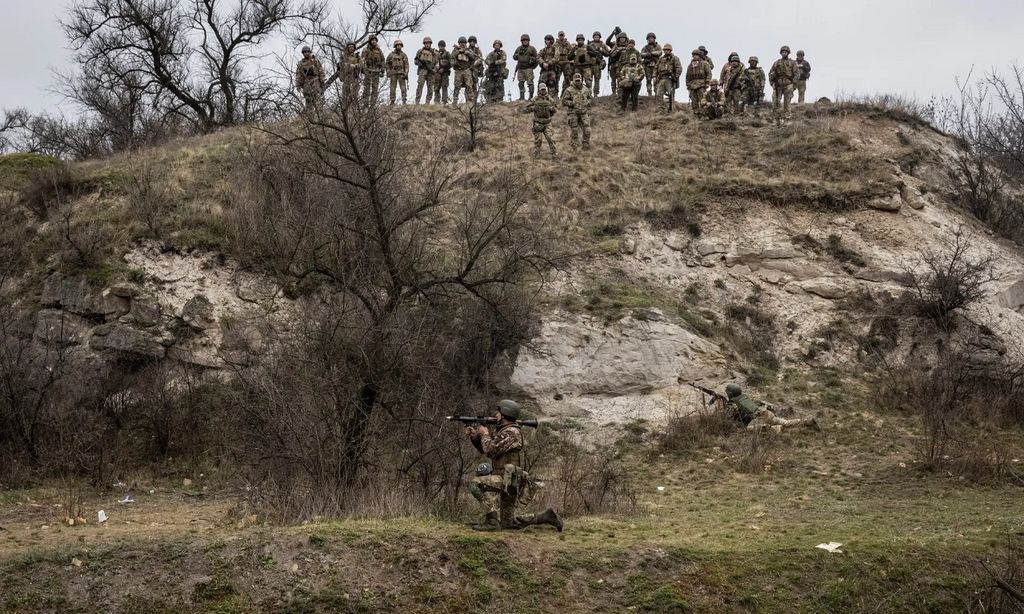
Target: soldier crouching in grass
{"x": 497, "y": 487}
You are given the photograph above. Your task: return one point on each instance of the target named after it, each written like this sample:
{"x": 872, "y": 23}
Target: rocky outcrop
{"x": 1012, "y": 297}
{"x": 126, "y": 340}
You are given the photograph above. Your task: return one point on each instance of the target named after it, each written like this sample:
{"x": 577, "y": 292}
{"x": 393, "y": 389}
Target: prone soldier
{"x": 757, "y": 416}
{"x": 398, "y": 71}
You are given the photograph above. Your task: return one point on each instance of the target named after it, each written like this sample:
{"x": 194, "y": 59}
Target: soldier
{"x": 714, "y": 101}
{"x": 577, "y": 99}
{"x": 373, "y": 68}
{"x": 650, "y": 55}
{"x": 707, "y": 57}
{"x": 426, "y": 69}
{"x": 548, "y": 64}
{"x": 615, "y": 59}
{"x": 803, "y": 76}
{"x": 698, "y": 73}
{"x": 730, "y": 81}
{"x": 497, "y": 72}
{"x": 629, "y": 50}
{"x": 526, "y": 59}
{"x": 309, "y": 79}
{"x": 499, "y": 482}
{"x": 562, "y": 50}
{"x": 543, "y": 109}
{"x": 582, "y": 61}
{"x": 444, "y": 73}
{"x": 349, "y": 70}
{"x": 398, "y": 71}
{"x": 478, "y": 67}
{"x": 599, "y": 51}
{"x": 631, "y": 78}
{"x": 464, "y": 62}
{"x": 757, "y": 416}
{"x": 752, "y": 86}
{"x": 783, "y": 77}
{"x": 668, "y": 70}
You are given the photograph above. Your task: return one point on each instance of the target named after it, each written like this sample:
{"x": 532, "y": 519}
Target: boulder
{"x": 891, "y": 203}
{"x": 254, "y": 288}
{"x": 627, "y": 247}
{"x": 125, "y": 289}
{"x": 145, "y": 311}
{"x": 1012, "y": 297}
{"x": 72, "y": 293}
{"x": 912, "y": 197}
{"x": 61, "y": 327}
{"x": 110, "y": 305}
{"x": 879, "y": 276}
{"x": 198, "y": 313}
{"x": 677, "y": 242}
{"x": 198, "y": 355}
{"x": 707, "y": 248}
{"x": 126, "y": 340}
{"x": 824, "y": 287}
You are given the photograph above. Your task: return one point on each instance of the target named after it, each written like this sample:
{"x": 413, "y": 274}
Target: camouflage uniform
{"x": 583, "y": 63}
{"x": 562, "y": 50}
{"x": 426, "y": 70}
{"x": 373, "y": 68}
{"x": 730, "y": 82}
{"x": 802, "y": 77}
{"x": 758, "y": 416}
{"x": 350, "y": 70}
{"x": 309, "y": 78}
{"x": 650, "y": 55}
{"x": 526, "y": 59}
{"x": 783, "y": 77}
{"x": 504, "y": 449}
{"x": 752, "y": 85}
{"x": 464, "y": 62}
{"x": 698, "y": 74}
{"x": 478, "y": 67}
{"x": 615, "y": 59}
{"x": 714, "y": 102}
{"x": 707, "y": 56}
{"x": 398, "y": 72}
{"x": 600, "y": 51}
{"x": 631, "y": 78}
{"x": 444, "y": 74}
{"x": 668, "y": 69}
{"x": 577, "y": 99}
{"x": 543, "y": 108}
{"x": 548, "y": 66}
{"x": 497, "y": 72}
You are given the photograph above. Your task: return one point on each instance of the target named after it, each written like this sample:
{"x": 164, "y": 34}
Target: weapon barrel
{"x": 473, "y": 419}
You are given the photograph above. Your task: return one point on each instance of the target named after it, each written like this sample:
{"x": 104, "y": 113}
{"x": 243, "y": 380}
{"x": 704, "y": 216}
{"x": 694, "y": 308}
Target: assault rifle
{"x": 476, "y": 420}
{"x": 715, "y": 396}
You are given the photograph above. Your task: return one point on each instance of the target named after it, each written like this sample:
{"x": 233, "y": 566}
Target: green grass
{"x": 15, "y": 169}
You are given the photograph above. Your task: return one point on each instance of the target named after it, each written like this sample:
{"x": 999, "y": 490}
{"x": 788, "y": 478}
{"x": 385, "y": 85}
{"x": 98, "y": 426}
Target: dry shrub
{"x": 752, "y": 453}
{"x": 50, "y": 187}
{"x": 1001, "y": 578}
{"x": 696, "y": 431}
{"x": 589, "y": 482}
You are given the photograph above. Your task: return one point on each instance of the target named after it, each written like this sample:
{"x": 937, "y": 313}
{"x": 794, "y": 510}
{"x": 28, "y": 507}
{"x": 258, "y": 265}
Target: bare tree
{"x": 13, "y": 121}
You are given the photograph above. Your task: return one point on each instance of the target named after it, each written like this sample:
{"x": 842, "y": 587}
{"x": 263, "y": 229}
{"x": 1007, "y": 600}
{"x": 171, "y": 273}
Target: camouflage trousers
{"x": 371, "y": 87}
{"x": 489, "y": 490}
{"x": 697, "y": 100}
{"x": 525, "y": 78}
{"x": 665, "y": 91}
{"x": 542, "y": 131}
{"x": 767, "y": 419}
{"x": 399, "y": 82}
{"x": 597, "y": 81}
{"x": 550, "y": 78}
{"x": 714, "y": 110}
{"x": 441, "y": 82}
{"x": 494, "y": 89}
{"x": 801, "y": 90}
{"x": 651, "y": 79}
{"x": 734, "y": 101}
{"x": 751, "y": 100}
{"x": 313, "y": 96}
{"x": 613, "y": 72}
{"x": 464, "y": 80}
{"x": 579, "y": 127}
{"x": 782, "y": 96}
{"x": 424, "y": 81}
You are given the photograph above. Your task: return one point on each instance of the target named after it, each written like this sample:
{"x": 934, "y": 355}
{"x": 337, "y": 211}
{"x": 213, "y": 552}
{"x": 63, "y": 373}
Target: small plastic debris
{"x": 295, "y": 567}
{"x": 903, "y": 465}
{"x": 832, "y": 547}
{"x": 76, "y": 562}
{"x": 127, "y": 499}
{"x": 101, "y": 516}
{"x": 661, "y": 489}
{"x": 186, "y": 482}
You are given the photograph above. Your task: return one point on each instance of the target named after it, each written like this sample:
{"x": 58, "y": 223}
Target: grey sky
{"x": 913, "y": 47}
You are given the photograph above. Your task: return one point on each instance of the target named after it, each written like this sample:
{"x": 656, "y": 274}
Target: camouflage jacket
{"x": 730, "y": 76}
{"x": 309, "y": 73}
{"x": 631, "y": 75}
{"x": 582, "y": 57}
{"x": 373, "y": 60}
{"x": 562, "y": 51}
{"x": 715, "y": 97}
{"x": 426, "y": 59}
{"x": 650, "y": 53}
{"x": 628, "y": 51}
{"x": 504, "y": 447}
{"x": 525, "y": 57}
{"x": 752, "y": 80}
{"x": 805, "y": 70}
{"x": 350, "y": 66}
{"x": 743, "y": 408}
{"x": 784, "y": 72}
{"x": 577, "y": 99}
{"x": 698, "y": 74}
{"x": 707, "y": 58}
{"x": 496, "y": 63}
{"x": 600, "y": 50}
{"x": 463, "y": 58}
{"x": 547, "y": 55}
{"x": 478, "y": 65}
{"x": 543, "y": 109}
{"x": 444, "y": 62}
{"x": 398, "y": 64}
{"x": 668, "y": 67}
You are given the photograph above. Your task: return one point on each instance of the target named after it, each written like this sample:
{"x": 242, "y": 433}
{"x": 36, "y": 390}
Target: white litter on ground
{"x": 832, "y": 547}
{"x": 101, "y": 516}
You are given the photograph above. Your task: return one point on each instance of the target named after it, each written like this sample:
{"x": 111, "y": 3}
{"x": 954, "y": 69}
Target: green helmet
{"x": 753, "y": 59}
{"x": 462, "y": 40}
{"x": 785, "y": 49}
{"x": 651, "y": 35}
{"x": 509, "y": 409}
{"x": 734, "y": 56}
{"x": 484, "y": 469}
{"x": 733, "y": 390}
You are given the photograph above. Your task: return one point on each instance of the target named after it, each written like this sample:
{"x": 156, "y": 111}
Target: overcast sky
{"x": 913, "y": 47}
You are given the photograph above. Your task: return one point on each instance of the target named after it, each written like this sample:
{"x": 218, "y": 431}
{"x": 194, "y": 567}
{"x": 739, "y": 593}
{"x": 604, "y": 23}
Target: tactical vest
{"x": 786, "y": 71}
{"x": 427, "y": 59}
{"x": 543, "y": 110}
{"x": 462, "y": 59}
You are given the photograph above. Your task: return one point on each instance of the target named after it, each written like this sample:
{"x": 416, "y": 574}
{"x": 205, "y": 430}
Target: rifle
{"x": 711, "y": 393}
{"x": 477, "y": 420}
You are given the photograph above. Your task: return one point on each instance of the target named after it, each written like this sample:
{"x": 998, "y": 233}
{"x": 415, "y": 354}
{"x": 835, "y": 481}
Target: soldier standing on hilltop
{"x": 543, "y": 108}
{"x": 600, "y": 51}
{"x": 373, "y": 68}
{"x": 350, "y": 70}
{"x": 650, "y": 55}
{"x": 309, "y": 79}
{"x": 562, "y": 50}
{"x": 577, "y": 99}
{"x": 698, "y": 74}
{"x": 783, "y": 77}
{"x": 583, "y": 61}
{"x": 426, "y": 69}
{"x": 668, "y": 70}
{"x": 497, "y": 72}
{"x": 526, "y": 59}
{"x": 706, "y": 56}
{"x": 398, "y": 72}
{"x": 615, "y": 59}
{"x": 464, "y": 62}
{"x": 730, "y": 82}
{"x": 631, "y": 78}
{"x": 478, "y": 66}
{"x": 548, "y": 64}
{"x": 752, "y": 86}
{"x": 802, "y": 76}
{"x": 444, "y": 73}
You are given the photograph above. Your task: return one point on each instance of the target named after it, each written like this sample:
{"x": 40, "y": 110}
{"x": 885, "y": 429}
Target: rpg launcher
{"x": 475, "y": 420}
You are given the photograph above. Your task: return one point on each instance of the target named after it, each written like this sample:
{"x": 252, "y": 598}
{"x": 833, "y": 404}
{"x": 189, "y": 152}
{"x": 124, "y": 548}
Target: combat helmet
{"x": 785, "y": 49}
{"x": 651, "y": 35}
{"x": 442, "y": 44}
{"x": 734, "y": 56}
{"x": 800, "y": 53}
{"x": 713, "y": 83}
{"x": 580, "y": 37}
{"x": 703, "y": 49}
{"x": 524, "y": 37}
{"x": 462, "y": 40}
{"x": 622, "y": 36}
{"x": 548, "y": 37}
{"x": 666, "y": 47}
{"x": 427, "y": 39}
{"x": 307, "y": 49}
{"x": 697, "y": 52}
{"x": 733, "y": 390}
{"x": 753, "y": 59}
{"x": 497, "y": 43}
{"x": 509, "y": 409}
{"x": 598, "y": 35}
{"x": 398, "y": 43}
{"x": 472, "y": 38}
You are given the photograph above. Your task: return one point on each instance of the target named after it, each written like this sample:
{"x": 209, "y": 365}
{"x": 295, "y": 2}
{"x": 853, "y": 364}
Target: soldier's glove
{"x": 616, "y": 30}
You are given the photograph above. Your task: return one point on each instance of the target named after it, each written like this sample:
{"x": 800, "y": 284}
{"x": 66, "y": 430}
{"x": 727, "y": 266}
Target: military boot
{"x": 522, "y": 91}
{"x": 490, "y": 523}
{"x": 530, "y": 86}
{"x": 548, "y": 517}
